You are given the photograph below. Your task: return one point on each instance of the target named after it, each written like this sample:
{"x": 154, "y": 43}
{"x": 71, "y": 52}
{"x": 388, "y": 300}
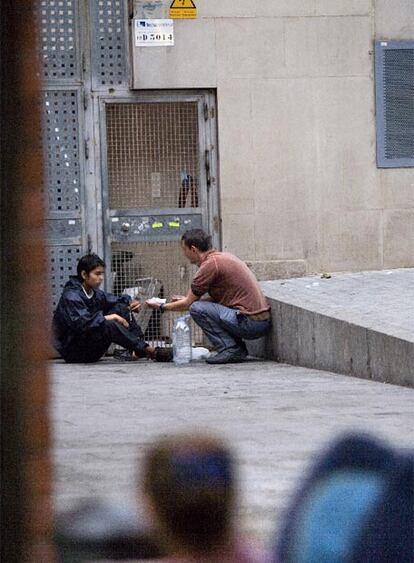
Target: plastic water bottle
{"x": 182, "y": 341}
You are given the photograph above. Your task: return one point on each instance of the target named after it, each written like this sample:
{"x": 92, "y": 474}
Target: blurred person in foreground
{"x": 190, "y": 490}
{"x": 356, "y": 506}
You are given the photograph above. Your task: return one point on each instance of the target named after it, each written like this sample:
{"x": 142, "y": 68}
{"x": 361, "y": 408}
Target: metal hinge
{"x": 208, "y": 112}
{"x": 216, "y": 224}
{"x": 207, "y": 165}
{"x": 131, "y": 9}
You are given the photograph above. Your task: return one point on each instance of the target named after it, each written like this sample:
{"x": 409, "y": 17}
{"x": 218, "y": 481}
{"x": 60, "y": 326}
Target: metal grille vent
{"x": 62, "y": 150}
{"x": 153, "y": 269}
{"x": 394, "y": 83}
{"x": 58, "y": 42}
{"x": 399, "y": 103}
{"x": 63, "y": 261}
{"x": 153, "y": 155}
{"x": 109, "y": 33}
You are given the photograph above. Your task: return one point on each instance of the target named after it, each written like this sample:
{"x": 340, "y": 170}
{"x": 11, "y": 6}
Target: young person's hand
{"x": 135, "y": 305}
{"x": 177, "y": 297}
{"x": 118, "y": 319}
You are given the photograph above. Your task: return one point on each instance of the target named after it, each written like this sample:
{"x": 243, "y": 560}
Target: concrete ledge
{"x": 341, "y": 340}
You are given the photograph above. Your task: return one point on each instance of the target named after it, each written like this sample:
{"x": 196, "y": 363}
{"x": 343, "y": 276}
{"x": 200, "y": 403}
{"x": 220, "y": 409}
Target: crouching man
{"x": 87, "y": 320}
{"x": 233, "y": 307}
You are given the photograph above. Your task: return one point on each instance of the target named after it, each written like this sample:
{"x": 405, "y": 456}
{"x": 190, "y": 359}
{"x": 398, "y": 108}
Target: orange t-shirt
{"x": 228, "y": 281}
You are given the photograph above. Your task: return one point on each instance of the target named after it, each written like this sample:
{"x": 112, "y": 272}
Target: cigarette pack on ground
{"x": 156, "y": 301}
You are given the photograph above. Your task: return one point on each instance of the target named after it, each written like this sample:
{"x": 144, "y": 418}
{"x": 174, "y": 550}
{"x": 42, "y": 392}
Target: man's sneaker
{"x": 228, "y": 356}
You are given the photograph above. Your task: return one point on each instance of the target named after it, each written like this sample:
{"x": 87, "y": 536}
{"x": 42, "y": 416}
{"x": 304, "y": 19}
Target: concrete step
{"x": 359, "y": 324}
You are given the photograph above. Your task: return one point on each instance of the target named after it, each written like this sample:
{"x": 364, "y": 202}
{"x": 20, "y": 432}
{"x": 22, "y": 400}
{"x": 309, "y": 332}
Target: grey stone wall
{"x": 296, "y": 118}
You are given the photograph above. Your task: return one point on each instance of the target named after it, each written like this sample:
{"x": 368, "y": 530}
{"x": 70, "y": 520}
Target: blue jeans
{"x": 225, "y": 327}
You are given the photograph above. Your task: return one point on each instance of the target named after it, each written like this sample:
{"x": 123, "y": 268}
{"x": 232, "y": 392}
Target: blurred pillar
{"x": 25, "y": 438}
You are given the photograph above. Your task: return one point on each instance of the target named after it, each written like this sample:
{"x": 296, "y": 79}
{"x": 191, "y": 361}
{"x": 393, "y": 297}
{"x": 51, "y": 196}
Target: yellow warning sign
{"x": 183, "y": 10}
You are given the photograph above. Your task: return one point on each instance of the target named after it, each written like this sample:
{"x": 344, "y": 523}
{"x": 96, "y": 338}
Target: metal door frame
{"x": 208, "y": 166}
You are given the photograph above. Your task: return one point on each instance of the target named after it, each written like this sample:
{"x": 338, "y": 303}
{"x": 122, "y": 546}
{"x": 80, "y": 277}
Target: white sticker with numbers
{"x": 154, "y": 33}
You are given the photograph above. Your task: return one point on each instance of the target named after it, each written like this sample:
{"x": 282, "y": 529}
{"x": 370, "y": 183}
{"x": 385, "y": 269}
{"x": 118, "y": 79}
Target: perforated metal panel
{"x": 62, "y": 263}
{"x": 61, "y": 125}
{"x": 153, "y": 155}
{"x": 58, "y": 22}
{"x": 395, "y": 103}
{"x": 109, "y": 43}
{"x": 153, "y": 269}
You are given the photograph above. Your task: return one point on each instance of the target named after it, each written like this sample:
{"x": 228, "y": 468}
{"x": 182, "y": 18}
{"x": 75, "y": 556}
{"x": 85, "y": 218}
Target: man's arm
{"x": 182, "y": 304}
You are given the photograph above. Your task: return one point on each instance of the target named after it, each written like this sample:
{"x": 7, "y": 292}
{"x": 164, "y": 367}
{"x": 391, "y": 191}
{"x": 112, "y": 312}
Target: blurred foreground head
{"x": 356, "y": 506}
{"x": 189, "y": 484}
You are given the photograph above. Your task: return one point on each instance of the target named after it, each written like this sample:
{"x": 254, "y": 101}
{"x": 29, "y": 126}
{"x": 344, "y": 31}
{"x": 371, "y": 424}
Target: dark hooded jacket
{"x": 77, "y": 314}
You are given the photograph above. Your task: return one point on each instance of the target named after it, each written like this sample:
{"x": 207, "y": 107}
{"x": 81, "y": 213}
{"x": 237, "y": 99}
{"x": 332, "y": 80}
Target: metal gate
{"x": 157, "y": 174}
{"x": 126, "y": 172}
{"x": 77, "y": 65}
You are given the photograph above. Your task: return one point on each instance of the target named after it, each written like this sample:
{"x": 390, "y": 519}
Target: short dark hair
{"x": 198, "y": 238}
{"x": 190, "y": 481}
{"x": 88, "y": 263}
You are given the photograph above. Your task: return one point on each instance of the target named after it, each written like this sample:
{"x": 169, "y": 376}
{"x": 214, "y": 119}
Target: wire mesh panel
{"x": 62, "y": 263}
{"x": 153, "y": 163}
{"x": 109, "y": 41}
{"x": 153, "y": 155}
{"x": 153, "y": 269}
{"x": 61, "y": 129}
{"x": 58, "y": 22}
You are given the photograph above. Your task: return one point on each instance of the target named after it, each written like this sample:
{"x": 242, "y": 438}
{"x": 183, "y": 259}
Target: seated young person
{"x": 88, "y": 320}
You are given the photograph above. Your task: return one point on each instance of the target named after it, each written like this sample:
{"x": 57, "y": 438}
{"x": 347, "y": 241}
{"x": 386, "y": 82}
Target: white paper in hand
{"x": 156, "y": 301}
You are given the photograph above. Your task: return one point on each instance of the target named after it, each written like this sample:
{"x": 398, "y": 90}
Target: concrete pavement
{"x": 275, "y": 416}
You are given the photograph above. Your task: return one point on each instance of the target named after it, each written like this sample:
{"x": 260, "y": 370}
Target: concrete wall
{"x": 296, "y": 121}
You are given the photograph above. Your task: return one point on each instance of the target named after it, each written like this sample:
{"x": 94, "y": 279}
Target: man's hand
{"x": 177, "y": 297}
{"x": 155, "y": 302}
{"x": 135, "y": 305}
{"x": 118, "y": 319}
{"x": 179, "y": 303}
